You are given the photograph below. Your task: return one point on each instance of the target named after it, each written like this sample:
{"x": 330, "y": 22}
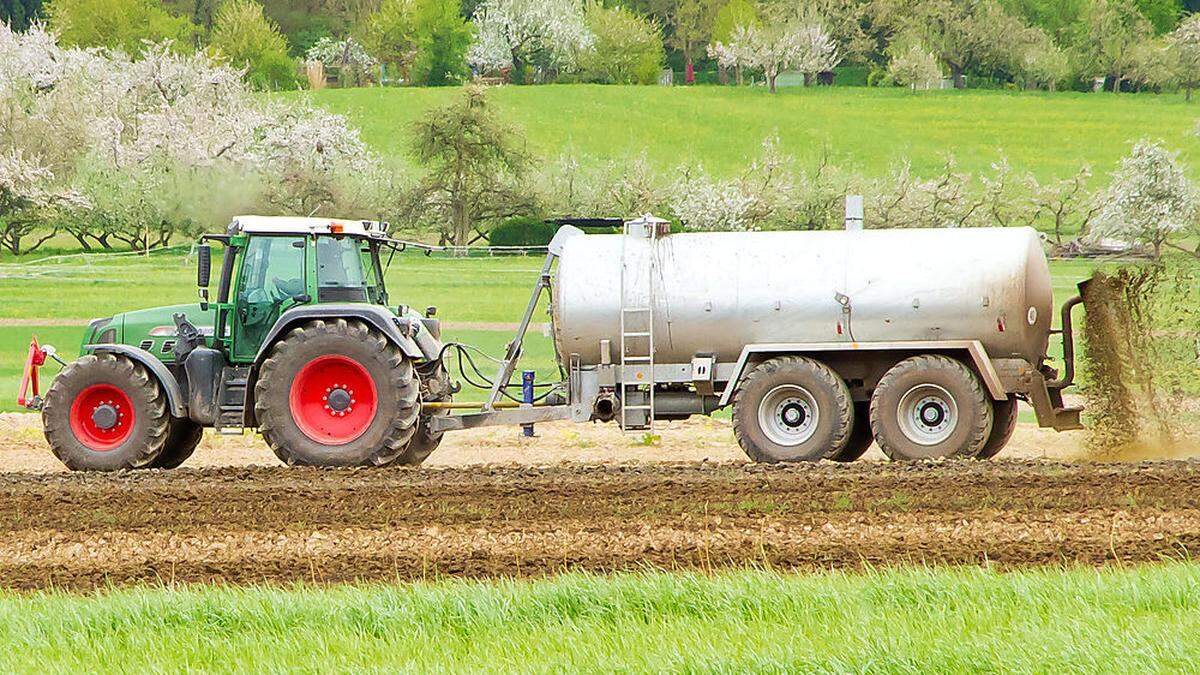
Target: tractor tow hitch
{"x": 29, "y": 377}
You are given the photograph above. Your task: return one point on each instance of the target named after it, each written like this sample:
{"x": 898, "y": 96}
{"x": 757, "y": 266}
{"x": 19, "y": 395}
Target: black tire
{"x": 182, "y": 440}
{"x": 422, "y": 445}
{"x": 78, "y": 383}
{"x": 946, "y": 412}
{"x": 861, "y": 436}
{"x": 385, "y": 433}
{"x": 1004, "y": 423}
{"x": 800, "y": 385}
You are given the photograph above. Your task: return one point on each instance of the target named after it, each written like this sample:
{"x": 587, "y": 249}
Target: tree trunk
{"x": 957, "y": 73}
{"x": 771, "y": 82}
{"x": 1187, "y": 93}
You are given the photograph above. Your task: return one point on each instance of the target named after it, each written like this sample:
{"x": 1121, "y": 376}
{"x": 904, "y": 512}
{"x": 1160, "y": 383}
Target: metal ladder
{"x": 637, "y": 324}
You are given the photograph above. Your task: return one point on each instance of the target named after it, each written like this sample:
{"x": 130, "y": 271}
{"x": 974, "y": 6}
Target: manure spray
{"x": 1139, "y": 361}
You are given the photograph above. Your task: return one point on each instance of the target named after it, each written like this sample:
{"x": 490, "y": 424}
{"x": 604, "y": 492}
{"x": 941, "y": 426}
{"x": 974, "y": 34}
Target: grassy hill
{"x": 866, "y": 130}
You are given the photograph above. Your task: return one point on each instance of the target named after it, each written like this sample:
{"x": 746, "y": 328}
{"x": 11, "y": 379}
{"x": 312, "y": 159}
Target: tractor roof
{"x": 296, "y": 225}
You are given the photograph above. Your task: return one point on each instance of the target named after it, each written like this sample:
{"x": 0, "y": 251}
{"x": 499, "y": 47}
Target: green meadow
{"x": 1140, "y": 619}
{"x": 863, "y": 130}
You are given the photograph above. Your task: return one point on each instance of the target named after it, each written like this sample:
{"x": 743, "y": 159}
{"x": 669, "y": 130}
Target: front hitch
{"x": 29, "y": 377}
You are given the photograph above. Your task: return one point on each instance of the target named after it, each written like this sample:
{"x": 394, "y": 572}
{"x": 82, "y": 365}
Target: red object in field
{"x": 333, "y": 399}
{"x": 689, "y": 74}
{"x": 102, "y": 417}
{"x": 35, "y": 360}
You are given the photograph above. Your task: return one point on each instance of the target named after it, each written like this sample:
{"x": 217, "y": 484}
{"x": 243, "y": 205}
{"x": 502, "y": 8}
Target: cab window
{"x": 346, "y": 271}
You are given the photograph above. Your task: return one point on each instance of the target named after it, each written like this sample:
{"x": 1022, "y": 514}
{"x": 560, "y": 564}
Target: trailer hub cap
{"x": 333, "y": 399}
{"x": 927, "y": 414}
{"x": 788, "y": 415}
{"x": 102, "y": 417}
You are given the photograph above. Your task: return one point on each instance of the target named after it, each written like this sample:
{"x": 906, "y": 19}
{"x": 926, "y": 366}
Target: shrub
{"x": 915, "y": 68}
{"x": 522, "y": 231}
{"x": 426, "y": 39}
{"x": 116, "y": 24}
{"x": 627, "y": 50}
{"x": 243, "y": 34}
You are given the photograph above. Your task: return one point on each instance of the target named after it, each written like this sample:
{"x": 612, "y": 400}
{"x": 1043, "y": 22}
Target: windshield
{"x": 348, "y": 271}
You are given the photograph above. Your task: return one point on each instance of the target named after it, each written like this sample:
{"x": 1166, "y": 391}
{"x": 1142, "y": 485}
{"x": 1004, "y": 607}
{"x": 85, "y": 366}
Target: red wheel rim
{"x": 333, "y": 399}
{"x": 102, "y": 417}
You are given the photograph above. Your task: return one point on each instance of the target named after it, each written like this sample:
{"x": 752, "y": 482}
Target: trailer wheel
{"x": 182, "y": 439}
{"x": 792, "y": 409}
{"x": 336, "y": 393}
{"x": 1004, "y": 422}
{"x": 861, "y": 436}
{"x": 930, "y": 407}
{"x": 105, "y": 412}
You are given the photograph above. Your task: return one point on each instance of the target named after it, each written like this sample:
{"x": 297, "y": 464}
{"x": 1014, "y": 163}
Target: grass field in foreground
{"x": 909, "y": 620}
{"x": 867, "y": 130}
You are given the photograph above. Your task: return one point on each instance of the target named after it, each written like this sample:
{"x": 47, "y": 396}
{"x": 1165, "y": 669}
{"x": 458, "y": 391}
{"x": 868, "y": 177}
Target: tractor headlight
{"x": 96, "y": 333}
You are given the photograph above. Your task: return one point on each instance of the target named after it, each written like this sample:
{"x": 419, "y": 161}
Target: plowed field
{"x": 245, "y": 525}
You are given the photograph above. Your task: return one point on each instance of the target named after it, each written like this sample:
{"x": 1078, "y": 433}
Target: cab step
{"x": 231, "y": 400}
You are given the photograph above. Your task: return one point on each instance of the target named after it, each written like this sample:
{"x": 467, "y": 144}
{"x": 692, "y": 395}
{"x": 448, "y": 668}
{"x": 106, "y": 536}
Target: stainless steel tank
{"x": 717, "y": 292}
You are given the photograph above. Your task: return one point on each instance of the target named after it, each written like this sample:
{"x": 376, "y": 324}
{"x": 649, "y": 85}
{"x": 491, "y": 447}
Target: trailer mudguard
{"x": 400, "y": 331}
{"x": 166, "y": 380}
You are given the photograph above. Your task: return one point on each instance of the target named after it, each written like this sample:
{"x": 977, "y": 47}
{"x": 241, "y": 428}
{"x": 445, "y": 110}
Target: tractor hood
{"x": 151, "y": 329}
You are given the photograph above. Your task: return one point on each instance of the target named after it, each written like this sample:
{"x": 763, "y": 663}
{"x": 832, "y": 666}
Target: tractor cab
{"x": 273, "y": 264}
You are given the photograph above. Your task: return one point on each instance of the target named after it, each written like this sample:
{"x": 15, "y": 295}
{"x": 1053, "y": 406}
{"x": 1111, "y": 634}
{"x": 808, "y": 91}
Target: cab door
{"x": 272, "y": 279}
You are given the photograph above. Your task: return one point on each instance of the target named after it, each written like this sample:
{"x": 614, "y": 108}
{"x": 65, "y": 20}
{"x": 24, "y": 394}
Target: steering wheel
{"x": 286, "y": 288}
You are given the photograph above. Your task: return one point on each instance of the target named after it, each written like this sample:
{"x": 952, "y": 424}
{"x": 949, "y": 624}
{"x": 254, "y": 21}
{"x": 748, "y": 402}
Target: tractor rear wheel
{"x": 182, "y": 439}
{"x": 792, "y": 409}
{"x": 930, "y": 407}
{"x": 435, "y": 386}
{"x": 337, "y": 393}
{"x": 1004, "y": 423}
{"x": 106, "y": 412}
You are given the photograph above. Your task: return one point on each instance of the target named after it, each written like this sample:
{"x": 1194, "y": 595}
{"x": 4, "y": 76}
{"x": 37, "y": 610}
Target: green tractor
{"x": 299, "y": 342}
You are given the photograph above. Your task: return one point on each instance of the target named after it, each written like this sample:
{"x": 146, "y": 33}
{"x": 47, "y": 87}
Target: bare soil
{"x": 612, "y": 505}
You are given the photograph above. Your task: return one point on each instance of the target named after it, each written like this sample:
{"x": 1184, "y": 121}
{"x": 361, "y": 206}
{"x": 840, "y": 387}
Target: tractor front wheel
{"x": 337, "y": 393}
{"x": 106, "y": 412}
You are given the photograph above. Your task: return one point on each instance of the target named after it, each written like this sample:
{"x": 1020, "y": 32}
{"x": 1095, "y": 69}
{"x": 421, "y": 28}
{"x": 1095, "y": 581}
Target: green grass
{"x": 909, "y": 620}
{"x": 84, "y": 287}
{"x": 866, "y": 130}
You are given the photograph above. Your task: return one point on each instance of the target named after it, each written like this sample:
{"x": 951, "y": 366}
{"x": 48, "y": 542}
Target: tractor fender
{"x": 159, "y": 369}
{"x": 399, "y": 330}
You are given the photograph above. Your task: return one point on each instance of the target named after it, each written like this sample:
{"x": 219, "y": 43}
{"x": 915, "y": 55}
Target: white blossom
{"x": 162, "y": 118}
{"x": 346, "y": 52}
{"x": 520, "y": 29}
{"x": 805, "y": 47}
{"x": 1149, "y": 198}
{"x": 915, "y": 68}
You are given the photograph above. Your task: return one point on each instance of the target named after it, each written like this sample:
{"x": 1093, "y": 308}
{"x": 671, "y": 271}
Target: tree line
{"x": 1050, "y": 44}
